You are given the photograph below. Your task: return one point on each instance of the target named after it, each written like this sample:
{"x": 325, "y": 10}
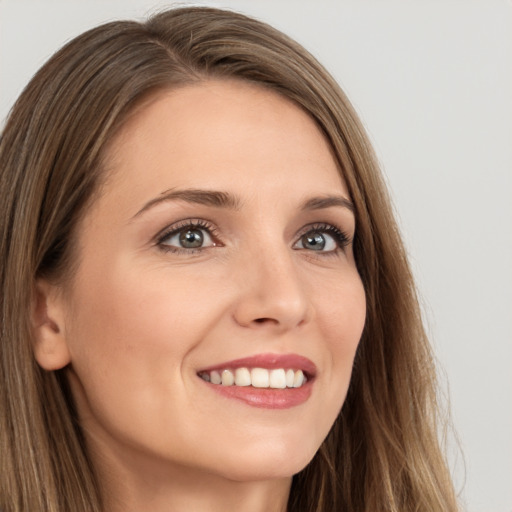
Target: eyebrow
{"x": 220, "y": 199}
{"x": 320, "y": 203}
{"x": 194, "y": 196}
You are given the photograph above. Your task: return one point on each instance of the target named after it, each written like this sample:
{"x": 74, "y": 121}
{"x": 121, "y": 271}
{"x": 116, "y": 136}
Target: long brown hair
{"x": 382, "y": 453}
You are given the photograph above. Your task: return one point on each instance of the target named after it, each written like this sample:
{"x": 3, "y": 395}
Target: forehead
{"x": 221, "y": 134}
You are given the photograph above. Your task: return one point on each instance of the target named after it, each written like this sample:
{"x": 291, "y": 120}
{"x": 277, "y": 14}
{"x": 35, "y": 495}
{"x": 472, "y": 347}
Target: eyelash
{"x": 339, "y": 236}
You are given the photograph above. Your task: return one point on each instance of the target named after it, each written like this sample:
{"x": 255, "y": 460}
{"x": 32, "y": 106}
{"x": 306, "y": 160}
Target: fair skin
{"x": 172, "y": 284}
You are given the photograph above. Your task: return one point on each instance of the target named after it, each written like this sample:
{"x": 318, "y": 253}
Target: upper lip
{"x": 269, "y": 361}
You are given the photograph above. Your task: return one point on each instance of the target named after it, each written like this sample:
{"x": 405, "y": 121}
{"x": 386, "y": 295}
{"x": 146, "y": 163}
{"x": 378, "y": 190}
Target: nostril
{"x": 263, "y": 320}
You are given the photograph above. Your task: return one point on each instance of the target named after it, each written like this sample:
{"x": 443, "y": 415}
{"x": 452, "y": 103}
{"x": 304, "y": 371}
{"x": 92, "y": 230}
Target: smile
{"x": 271, "y": 381}
{"x": 277, "y": 378}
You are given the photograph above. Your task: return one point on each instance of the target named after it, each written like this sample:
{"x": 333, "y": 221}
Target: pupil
{"x": 313, "y": 241}
{"x": 191, "y": 238}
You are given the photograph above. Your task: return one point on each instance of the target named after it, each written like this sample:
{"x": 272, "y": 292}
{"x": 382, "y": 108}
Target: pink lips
{"x": 267, "y": 398}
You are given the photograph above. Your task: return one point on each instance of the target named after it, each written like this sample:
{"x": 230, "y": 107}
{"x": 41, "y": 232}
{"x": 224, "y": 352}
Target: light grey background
{"x": 432, "y": 81}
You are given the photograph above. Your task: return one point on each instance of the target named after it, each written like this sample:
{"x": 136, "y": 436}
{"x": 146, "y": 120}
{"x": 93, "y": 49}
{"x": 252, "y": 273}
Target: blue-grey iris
{"x": 313, "y": 241}
{"x": 191, "y": 238}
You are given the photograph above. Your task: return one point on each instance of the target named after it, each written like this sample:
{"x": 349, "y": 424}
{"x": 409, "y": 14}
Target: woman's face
{"x": 219, "y": 244}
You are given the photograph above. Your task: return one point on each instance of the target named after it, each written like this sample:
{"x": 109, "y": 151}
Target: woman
{"x": 205, "y": 299}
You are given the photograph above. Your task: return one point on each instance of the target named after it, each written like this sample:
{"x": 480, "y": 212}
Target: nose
{"x": 272, "y": 292}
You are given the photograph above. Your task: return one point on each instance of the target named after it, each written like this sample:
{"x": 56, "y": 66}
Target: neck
{"x": 164, "y": 488}
{"x": 249, "y": 497}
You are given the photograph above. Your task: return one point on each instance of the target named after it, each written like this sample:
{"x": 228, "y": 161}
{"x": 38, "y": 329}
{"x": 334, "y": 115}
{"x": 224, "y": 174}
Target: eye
{"x": 189, "y": 236}
{"x": 317, "y": 241}
{"x": 325, "y": 238}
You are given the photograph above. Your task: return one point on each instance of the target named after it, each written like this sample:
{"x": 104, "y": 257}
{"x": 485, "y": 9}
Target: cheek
{"x": 343, "y": 313}
{"x": 129, "y": 321}
{"x": 342, "y": 319}
{"x": 129, "y": 341}
{"x": 128, "y": 337}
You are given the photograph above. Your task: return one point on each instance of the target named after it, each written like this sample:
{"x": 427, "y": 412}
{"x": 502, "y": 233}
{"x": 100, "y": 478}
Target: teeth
{"x": 278, "y": 378}
{"x": 228, "y": 378}
{"x": 290, "y": 375}
{"x": 242, "y": 377}
{"x": 260, "y": 378}
{"x": 215, "y": 377}
{"x": 298, "y": 379}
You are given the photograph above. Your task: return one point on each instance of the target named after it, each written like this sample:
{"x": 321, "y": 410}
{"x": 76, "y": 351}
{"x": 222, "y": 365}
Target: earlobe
{"x": 48, "y": 329}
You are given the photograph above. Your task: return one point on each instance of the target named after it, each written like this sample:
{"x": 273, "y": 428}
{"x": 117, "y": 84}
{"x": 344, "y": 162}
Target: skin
{"x": 138, "y": 320}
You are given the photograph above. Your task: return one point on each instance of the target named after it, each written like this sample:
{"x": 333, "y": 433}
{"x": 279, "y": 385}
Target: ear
{"x": 48, "y": 329}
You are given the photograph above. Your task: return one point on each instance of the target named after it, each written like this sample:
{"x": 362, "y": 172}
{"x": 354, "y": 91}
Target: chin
{"x": 268, "y": 462}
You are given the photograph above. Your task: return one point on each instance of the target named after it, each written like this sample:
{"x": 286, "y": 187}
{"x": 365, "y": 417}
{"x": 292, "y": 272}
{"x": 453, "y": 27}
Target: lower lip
{"x": 265, "y": 398}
